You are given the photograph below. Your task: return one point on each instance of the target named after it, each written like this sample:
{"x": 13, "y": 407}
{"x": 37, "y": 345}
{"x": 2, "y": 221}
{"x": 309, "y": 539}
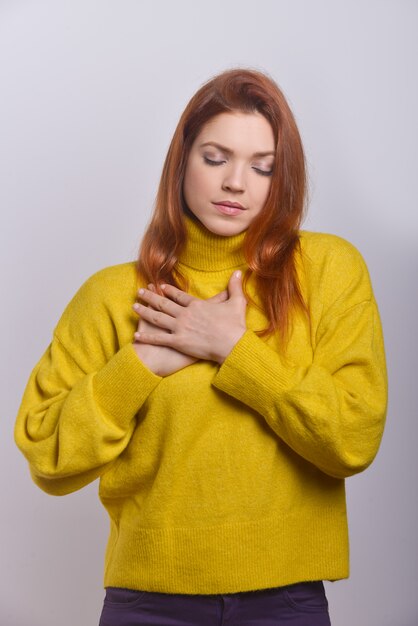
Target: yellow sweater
{"x": 217, "y": 479}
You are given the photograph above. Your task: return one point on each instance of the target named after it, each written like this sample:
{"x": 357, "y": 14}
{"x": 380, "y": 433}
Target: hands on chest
{"x": 177, "y": 329}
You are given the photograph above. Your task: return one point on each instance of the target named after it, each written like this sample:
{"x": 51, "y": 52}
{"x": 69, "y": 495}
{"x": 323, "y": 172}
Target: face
{"x": 230, "y": 163}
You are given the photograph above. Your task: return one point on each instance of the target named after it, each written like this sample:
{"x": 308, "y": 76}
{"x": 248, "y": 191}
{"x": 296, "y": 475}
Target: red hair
{"x": 272, "y": 238}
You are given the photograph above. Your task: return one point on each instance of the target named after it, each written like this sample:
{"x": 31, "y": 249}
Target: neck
{"x": 205, "y": 250}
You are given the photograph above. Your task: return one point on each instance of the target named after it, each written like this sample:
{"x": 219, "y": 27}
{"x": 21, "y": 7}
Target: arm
{"x": 71, "y": 424}
{"x": 79, "y": 406}
{"x": 331, "y": 411}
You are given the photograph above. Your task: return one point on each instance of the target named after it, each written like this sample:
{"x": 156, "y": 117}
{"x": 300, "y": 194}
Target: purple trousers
{"x": 302, "y": 604}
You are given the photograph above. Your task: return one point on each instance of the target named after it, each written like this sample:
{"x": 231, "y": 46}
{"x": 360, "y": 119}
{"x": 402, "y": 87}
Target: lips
{"x": 233, "y": 204}
{"x": 229, "y": 208}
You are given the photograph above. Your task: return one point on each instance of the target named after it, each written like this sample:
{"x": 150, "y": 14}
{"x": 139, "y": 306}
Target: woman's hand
{"x": 203, "y": 329}
{"x": 161, "y": 359}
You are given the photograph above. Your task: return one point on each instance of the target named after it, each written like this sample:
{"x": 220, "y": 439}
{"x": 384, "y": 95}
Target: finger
{"x": 146, "y": 326}
{"x": 155, "y": 339}
{"x": 222, "y": 296}
{"x": 180, "y": 297}
{"x": 155, "y": 317}
{"x": 159, "y": 303}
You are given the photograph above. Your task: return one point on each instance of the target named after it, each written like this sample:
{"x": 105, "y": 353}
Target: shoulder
{"x": 101, "y": 303}
{"x": 326, "y": 246}
{"x": 114, "y": 276}
{"x": 107, "y": 282}
{"x": 334, "y": 267}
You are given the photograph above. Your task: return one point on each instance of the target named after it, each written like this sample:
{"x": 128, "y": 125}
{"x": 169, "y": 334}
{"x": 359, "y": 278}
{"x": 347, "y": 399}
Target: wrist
{"x": 227, "y": 347}
{"x": 145, "y": 356}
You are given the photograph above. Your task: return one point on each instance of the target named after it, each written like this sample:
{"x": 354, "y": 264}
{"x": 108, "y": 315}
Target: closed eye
{"x": 263, "y": 172}
{"x": 257, "y": 169}
{"x": 210, "y": 162}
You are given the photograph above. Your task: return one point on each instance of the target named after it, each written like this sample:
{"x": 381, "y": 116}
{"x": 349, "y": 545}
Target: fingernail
{"x": 238, "y": 274}
{"x": 141, "y": 291}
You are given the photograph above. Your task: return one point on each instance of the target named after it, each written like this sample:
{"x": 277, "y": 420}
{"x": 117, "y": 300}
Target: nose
{"x": 234, "y": 180}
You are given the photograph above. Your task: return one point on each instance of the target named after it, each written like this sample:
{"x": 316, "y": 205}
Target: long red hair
{"x": 272, "y": 238}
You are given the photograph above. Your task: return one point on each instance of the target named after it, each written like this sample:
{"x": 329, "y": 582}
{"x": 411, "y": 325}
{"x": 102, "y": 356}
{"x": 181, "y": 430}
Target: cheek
{"x": 196, "y": 181}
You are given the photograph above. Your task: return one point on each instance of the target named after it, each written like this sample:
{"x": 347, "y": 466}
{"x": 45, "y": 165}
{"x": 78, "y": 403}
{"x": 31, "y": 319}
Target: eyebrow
{"x": 228, "y": 151}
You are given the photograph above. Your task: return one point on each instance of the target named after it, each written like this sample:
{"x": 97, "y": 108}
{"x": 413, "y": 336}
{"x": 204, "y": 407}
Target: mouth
{"x": 229, "y": 208}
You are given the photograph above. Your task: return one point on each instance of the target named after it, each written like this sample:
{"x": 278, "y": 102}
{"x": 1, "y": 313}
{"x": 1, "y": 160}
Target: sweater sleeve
{"x": 79, "y": 406}
{"x": 331, "y": 411}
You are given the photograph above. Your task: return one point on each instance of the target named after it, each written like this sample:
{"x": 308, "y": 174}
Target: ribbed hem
{"x": 230, "y": 558}
{"x": 123, "y": 385}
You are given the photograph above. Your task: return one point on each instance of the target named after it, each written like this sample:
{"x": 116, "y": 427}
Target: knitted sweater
{"x": 217, "y": 478}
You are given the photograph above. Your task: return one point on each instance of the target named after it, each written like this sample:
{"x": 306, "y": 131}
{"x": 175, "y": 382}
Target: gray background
{"x": 91, "y": 92}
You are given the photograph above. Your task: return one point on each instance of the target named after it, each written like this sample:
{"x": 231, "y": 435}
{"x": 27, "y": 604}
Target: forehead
{"x": 249, "y": 132}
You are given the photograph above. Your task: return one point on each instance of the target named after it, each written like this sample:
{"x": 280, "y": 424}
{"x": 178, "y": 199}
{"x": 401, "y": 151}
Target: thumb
{"x": 235, "y": 284}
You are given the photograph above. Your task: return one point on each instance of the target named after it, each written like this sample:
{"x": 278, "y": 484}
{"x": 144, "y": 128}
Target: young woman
{"x": 222, "y": 387}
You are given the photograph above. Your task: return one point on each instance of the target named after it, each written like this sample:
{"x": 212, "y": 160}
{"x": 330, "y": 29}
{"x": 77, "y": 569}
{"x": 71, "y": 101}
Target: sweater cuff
{"x": 253, "y": 373}
{"x": 123, "y": 385}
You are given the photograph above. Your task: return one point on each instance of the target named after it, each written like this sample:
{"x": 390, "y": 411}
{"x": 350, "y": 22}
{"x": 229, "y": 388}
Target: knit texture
{"x": 217, "y": 478}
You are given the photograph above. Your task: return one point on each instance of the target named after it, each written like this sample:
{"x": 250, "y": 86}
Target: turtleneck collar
{"x": 207, "y": 251}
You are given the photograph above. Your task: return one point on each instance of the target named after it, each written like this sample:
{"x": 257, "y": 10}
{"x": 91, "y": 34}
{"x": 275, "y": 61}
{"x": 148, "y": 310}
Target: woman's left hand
{"x": 204, "y": 329}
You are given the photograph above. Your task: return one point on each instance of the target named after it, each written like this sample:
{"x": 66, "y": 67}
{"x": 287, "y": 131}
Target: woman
{"x": 224, "y": 408}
